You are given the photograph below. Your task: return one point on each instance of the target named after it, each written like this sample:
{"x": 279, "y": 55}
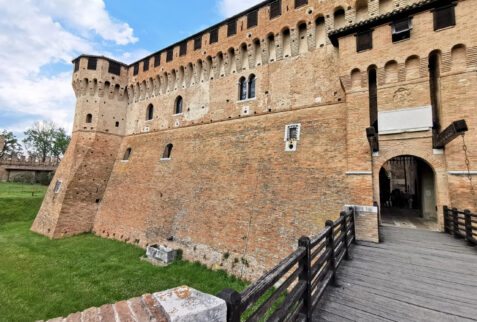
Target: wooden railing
{"x": 461, "y": 224}
{"x": 303, "y": 277}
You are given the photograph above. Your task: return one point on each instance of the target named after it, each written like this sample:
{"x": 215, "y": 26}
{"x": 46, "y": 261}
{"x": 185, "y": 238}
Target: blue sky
{"x": 39, "y": 38}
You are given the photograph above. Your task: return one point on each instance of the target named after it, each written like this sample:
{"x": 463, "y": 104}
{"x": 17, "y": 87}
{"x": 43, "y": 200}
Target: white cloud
{"x": 229, "y": 8}
{"x": 37, "y": 33}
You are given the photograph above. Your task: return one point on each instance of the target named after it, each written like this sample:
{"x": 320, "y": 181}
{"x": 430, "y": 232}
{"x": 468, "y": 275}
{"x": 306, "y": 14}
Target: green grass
{"x": 42, "y": 278}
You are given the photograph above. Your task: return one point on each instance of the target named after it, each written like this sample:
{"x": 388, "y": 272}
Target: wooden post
{"x": 332, "y": 257}
{"x": 305, "y": 275}
{"x": 232, "y": 298}
{"x": 468, "y": 227}
{"x": 455, "y": 217}
{"x": 344, "y": 230}
{"x": 446, "y": 220}
{"x": 353, "y": 231}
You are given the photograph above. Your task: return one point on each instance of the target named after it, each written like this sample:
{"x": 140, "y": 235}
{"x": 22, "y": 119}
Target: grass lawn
{"x": 42, "y": 278}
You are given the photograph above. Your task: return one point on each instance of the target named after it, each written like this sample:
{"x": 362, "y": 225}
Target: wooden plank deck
{"x": 413, "y": 275}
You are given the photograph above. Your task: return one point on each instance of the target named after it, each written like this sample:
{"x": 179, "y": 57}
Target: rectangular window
{"x": 136, "y": 69}
{"x": 77, "y": 65}
{"x": 214, "y": 36}
{"x": 300, "y": 3}
{"x": 232, "y": 28}
{"x": 157, "y": 60}
{"x": 444, "y": 17}
{"x": 292, "y": 132}
{"x": 145, "y": 67}
{"x": 92, "y": 63}
{"x": 183, "y": 49}
{"x": 114, "y": 68}
{"x": 364, "y": 40}
{"x": 252, "y": 19}
{"x": 58, "y": 186}
{"x": 170, "y": 54}
{"x": 401, "y": 29}
{"x": 275, "y": 9}
{"x": 198, "y": 43}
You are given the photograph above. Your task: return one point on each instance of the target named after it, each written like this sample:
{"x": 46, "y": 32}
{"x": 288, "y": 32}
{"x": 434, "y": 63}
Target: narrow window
{"x": 242, "y": 89}
{"x": 127, "y": 154}
{"x": 157, "y": 60}
{"x": 300, "y": 3}
{"x": 170, "y": 54}
{"x": 89, "y": 118}
{"x": 434, "y": 84}
{"x": 339, "y": 18}
{"x": 251, "y": 86}
{"x": 183, "y": 49}
{"x": 136, "y": 69}
{"x": 92, "y": 63}
{"x": 364, "y": 40}
{"x": 145, "y": 66}
{"x": 114, "y": 68}
{"x": 292, "y": 132}
{"x": 117, "y": 124}
{"x": 150, "y": 112}
{"x": 58, "y": 186}
{"x": 198, "y": 43}
{"x": 232, "y": 28}
{"x": 401, "y": 29}
{"x": 373, "y": 98}
{"x": 214, "y": 36}
{"x": 275, "y": 9}
{"x": 167, "y": 151}
{"x": 252, "y": 19}
{"x": 76, "y": 62}
{"x": 178, "y": 105}
{"x": 444, "y": 17}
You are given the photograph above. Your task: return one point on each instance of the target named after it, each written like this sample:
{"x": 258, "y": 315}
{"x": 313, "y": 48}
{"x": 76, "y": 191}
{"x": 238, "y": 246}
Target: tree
{"x": 10, "y": 147}
{"x": 45, "y": 139}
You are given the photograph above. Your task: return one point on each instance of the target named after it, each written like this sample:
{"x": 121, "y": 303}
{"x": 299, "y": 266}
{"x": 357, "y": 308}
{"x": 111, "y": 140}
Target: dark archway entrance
{"x": 407, "y": 193}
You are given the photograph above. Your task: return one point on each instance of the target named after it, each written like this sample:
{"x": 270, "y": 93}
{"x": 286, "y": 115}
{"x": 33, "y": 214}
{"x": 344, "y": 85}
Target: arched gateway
{"x": 407, "y": 193}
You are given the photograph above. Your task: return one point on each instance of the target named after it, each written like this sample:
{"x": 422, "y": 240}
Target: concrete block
{"x": 160, "y": 252}
{"x": 185, "y": 304}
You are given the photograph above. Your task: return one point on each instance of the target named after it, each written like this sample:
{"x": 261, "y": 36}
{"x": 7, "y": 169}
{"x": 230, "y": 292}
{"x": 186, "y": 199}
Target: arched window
{"x": 178, "y": 105}
{"x": 89, "y": 118}
{"x": 242, "y": 89}
{"x": 127, "y": 154}
{"x": 251, "y": 86}
{"x": 167, "y": 151}
{"x": 150, "y": 112}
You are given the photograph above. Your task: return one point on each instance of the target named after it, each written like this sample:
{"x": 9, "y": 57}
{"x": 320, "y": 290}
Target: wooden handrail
{"x": 305, "y": 274}
{"x": 461, "y": 224}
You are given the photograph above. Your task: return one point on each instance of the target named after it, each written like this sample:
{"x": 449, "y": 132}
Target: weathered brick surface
{"x": 107, "y": 313}
{"x": 138, "y": 309}
{"x": 123, "y": 312}
{"x": 74, "y": 317}
{"x": 230, "y": 186}
{"x": 152, "y": 307}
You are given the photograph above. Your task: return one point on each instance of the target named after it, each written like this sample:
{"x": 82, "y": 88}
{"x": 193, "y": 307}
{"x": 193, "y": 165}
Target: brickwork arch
{"x": 458, "y": 57}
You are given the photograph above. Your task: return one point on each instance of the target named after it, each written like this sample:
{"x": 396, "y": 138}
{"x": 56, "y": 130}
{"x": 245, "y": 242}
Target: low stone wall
{"x": 366, "y": 223}
{"x": 177, "y": 305}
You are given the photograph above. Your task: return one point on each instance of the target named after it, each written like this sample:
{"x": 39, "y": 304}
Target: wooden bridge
{"x": 412, "y": 275}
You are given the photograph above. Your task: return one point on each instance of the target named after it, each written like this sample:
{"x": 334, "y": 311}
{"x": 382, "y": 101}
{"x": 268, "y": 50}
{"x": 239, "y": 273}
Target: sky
{"x": 40, "y": 38}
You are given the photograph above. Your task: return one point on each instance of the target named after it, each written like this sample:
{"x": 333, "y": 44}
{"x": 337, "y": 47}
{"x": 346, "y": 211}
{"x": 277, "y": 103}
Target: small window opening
{"x": 292, "y": 132}
{"x": 117, "y": 124}
{"x": 444, "y": 17}
{"x": 170, "y": 54}
{"x": 89, "y": 118}
{"x": 242, "y": 89}
{"x": 232, "y": 28}
{"x": 300, "y": 3}
{"x": 127, "y": 154}
{"x": 252, "y": 19}
{"x": 136, "y": 69}
{"x": 145, "y": 66}
{"x": 92, "y": 63}
{"x": 198, "y": 43}
{"x": 401, "y": 29}
{"x": 58, "y": 186}
{"x": 150, "y": 112}
{"x": 373, "y": 98}
{"x": 214, "y": 36}
{"x": 275, "y": 9}
{"x": 183, "y": 49}
{"x": 76, "y": 65}
{"x": 178, "y": 105}
{"x": 364, "y": 40}
{"x": 157, "y": 60}
{"x": 167, "y": 151}
{"x": 114, "y": 68}
{"x": 251, "y": 86}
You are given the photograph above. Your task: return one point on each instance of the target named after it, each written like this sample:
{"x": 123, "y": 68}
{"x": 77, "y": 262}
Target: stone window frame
{"x": 244, "y": 88}
{"x": 435, "y": 12}
{"x": 167, "y": 154}
{"x": 58, "y": 186}
{"x": 296, "y": 126}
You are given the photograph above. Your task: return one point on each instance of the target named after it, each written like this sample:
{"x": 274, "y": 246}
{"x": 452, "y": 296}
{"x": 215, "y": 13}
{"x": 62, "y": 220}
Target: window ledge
{"x": 247, "y": 100}
{"x": 165, "y": 159}
{"x": 445, "y": 28}
{"x": 148, "y": 121}
{"x": 124, "y": 161}
{"x": 178, "y": 114}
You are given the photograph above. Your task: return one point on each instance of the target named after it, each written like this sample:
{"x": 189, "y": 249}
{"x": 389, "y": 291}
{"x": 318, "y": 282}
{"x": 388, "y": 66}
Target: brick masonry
{"x": 229, "y": 186}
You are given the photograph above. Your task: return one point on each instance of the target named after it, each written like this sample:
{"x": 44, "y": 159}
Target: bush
{"x": 44, "y": 178}
{"x": 27, "y": 177}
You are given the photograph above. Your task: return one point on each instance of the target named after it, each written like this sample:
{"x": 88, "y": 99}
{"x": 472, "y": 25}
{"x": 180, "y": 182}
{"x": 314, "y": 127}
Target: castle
{"x": 242, "y": 138}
